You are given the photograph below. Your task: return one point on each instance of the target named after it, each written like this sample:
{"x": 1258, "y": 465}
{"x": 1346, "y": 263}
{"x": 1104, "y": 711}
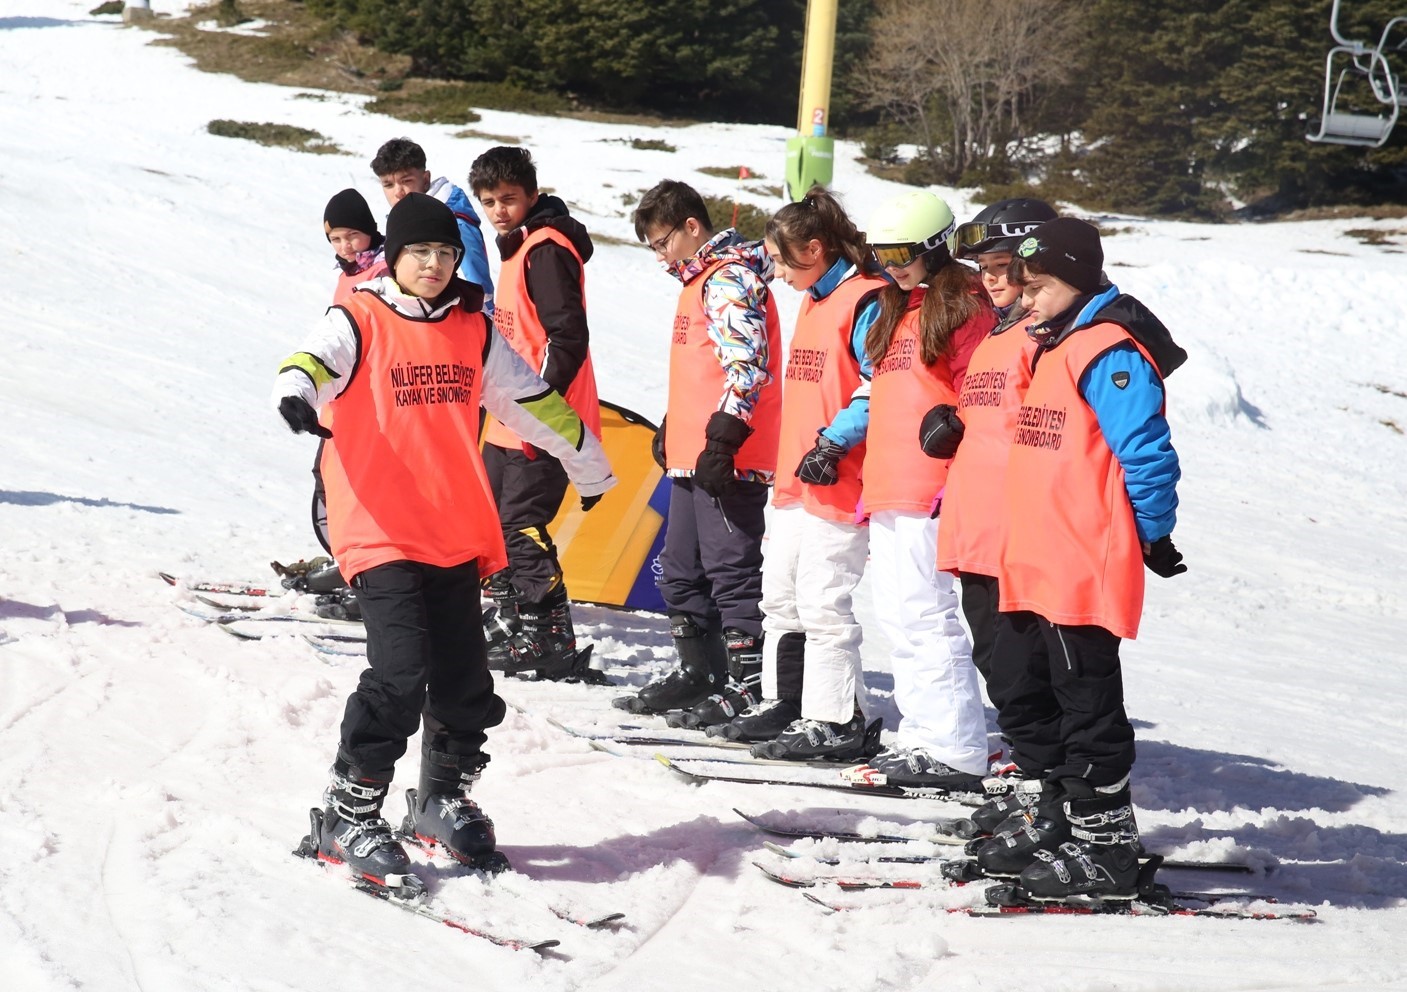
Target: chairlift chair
{"x": 1361, "y": 62}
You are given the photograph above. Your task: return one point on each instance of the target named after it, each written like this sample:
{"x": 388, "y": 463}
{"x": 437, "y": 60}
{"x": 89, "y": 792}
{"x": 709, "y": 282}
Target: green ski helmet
{"x": 915, "y": 224}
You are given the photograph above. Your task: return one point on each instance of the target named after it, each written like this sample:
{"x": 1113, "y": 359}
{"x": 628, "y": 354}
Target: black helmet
{"x": 1001, "y": 226}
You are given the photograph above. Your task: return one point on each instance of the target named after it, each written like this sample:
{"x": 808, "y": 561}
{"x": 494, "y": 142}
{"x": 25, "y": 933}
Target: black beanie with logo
{"x": 1068, "y": 249}
{"x": 420, "y": 219}
{"x": 348, "y": 209}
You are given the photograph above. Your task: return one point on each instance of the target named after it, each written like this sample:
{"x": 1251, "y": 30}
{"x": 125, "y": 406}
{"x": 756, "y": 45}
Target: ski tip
{"x": 664, "y": 760}
{"x": 812, "y": 897}
{"x": 168, "y": 578}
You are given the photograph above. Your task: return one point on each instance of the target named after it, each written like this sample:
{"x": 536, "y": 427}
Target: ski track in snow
{"x": 155, "y": 773}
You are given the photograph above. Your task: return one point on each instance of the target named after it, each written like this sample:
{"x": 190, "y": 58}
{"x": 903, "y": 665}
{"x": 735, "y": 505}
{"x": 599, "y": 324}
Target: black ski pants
{"x": 711, "y": 563}
{"x": 1059, "y": 694}
{"x": 981, "y": 599}
{"x": 529, "y": 492}
{"x": 426, "y": 657}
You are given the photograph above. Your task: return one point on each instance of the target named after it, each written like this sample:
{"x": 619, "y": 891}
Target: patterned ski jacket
{"x": 735, "y": 301}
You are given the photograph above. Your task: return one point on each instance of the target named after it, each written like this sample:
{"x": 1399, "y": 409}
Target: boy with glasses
{"x": 718, "y": 443}
{"x": 402, "y": 367}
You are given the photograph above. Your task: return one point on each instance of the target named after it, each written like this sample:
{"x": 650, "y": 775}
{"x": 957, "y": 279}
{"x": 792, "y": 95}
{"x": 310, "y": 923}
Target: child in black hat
{"x": 1090, "y": 500}
{"x": 403, "y": 366}
{"x": 351, "y": 230}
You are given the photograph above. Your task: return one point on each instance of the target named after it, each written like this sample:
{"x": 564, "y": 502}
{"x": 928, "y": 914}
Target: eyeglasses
{"x": 660, "y": 246}
{"x": 425, "y": 254}
{"x": 972, "y": 235}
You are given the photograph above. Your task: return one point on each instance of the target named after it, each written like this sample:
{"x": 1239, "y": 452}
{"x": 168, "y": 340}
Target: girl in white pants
{"x": 931, "y": 318}
{"x": 811, "y": 676}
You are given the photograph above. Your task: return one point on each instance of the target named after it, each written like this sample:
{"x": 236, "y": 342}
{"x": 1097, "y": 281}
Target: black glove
{"x": 1164, "y": 559}
{"x": 940, "y": 432}
{"x": 657, "y": 445}
{"x": 818, "y": 467}
{"x": 714, "y": 470}
{"x": 587, "y": 502}
{"x": 300, "y": 417}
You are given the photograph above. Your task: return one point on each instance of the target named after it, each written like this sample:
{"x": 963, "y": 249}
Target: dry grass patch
{"x": 300, "y": 139}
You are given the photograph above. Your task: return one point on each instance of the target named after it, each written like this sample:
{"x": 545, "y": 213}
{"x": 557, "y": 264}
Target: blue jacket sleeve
{"x": 1131, "y": 420}
{"x": 475, "y": 264}
{"x": 852, "y": 423}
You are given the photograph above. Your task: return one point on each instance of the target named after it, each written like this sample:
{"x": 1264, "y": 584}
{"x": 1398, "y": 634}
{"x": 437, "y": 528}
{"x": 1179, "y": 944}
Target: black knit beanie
{"x": 348, "y": 209}
{"x": 420, "y": 219}
{"x": 1068, "y": 249}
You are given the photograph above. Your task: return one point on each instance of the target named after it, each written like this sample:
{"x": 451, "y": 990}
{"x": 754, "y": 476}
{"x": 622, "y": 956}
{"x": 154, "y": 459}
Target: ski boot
{"x": 1042, "y": 827}
{"x": 501, "y": 623}
{"x": 350, "y": 831}
{"x": 764, "y": 722}
{"x": 1102, "y": 859}
{"x": 341, "y": 605}
{"x": 552, "y": 652}
{"x": 811, "y": 740}
{"x": 441, "y": 817}
{"x": 918, "y": 768}
{"x": 702, "y": 664}
{"x": 988, "y": 818}
{"x": 743, "y": 691}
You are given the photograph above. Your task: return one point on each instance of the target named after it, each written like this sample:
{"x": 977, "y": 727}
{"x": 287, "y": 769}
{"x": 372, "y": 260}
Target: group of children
{"x": 1002, "y": 425}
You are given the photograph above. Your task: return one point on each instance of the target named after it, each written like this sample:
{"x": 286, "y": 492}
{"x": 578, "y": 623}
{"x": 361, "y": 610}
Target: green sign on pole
{"x": 810, "y": 160}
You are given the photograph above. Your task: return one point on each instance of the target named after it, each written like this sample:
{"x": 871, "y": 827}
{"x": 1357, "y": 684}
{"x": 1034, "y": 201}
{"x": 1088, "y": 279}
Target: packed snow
{"x": 155, "y": 773}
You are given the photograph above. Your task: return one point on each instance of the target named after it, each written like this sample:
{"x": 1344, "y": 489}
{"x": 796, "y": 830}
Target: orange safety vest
{"x": 1072, "y": 552}
{"x": 403, "y": 474}
{"x": 898, "y": 476}
{"x": 822, "y": 374}
{"x": 974, "y": 501}
{"x": 346, "y": 284}
{"x": 515, "y": 316}
{"x": 697, "y": 382}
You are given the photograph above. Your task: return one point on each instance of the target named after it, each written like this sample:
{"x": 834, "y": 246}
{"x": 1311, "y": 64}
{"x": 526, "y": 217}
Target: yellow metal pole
{"x": 811, "y": 153}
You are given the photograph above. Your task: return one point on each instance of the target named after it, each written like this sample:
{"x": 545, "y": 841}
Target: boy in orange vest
{"x": 718, "y": 444}
{"x": 1091, "y": 499}
{"x": 403, "y": 367}
{"x": 541, "y": 311}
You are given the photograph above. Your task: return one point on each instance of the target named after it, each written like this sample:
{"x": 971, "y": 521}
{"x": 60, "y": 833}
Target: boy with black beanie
{"x": 1091, "y": 499}
{"x": 403, "y": 365}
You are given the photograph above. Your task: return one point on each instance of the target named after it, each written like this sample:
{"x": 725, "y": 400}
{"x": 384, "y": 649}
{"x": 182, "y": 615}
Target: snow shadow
{"x": 30, "y": 498}
{"x": 709, "y": 845}
{"x": 1175, "y": 777}
{"x": 6, "y": 23}
{"x": 13, "y": 609}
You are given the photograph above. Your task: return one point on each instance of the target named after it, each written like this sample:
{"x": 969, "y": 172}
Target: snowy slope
{"x": 154, "y": 774}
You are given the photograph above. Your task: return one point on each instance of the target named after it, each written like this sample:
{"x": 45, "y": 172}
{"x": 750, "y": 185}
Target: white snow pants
{"x": 810, "y": 568}
{"x": 935, "y": 683}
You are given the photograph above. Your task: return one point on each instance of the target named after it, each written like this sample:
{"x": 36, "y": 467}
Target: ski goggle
{"x": 973, "y": 235}
{"x": 902, "y": 255}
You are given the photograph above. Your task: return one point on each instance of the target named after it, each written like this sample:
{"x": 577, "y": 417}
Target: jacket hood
{"x": 549, "y": 211}
{"x": 1109, "y": 306}
{"x": 725, "y": 246}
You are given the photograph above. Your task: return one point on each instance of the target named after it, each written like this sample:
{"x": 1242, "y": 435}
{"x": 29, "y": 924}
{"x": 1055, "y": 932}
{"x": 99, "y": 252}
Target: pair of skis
{"x": 407, "y": 892}
{"x": 1003, "y": 899}
{"x": 737, "y": 766}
